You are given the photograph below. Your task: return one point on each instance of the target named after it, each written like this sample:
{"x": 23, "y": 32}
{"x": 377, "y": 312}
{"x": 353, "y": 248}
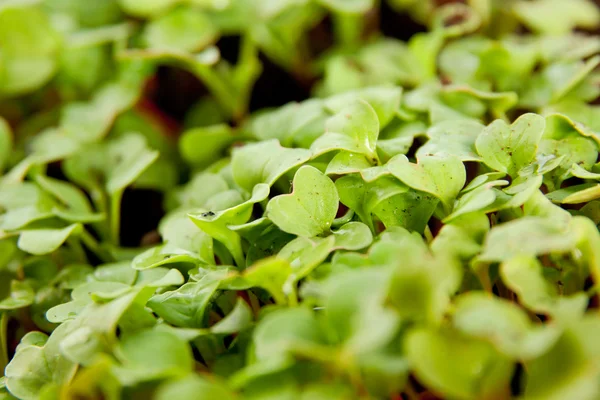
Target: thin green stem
{"x": 219, "y": 88}
{"x": 75, "y": 245}
{"x": 91, "y": 243}
{"x": 115, "y": 216}
{"x": 3, "y": 344}
{"x": 348, "y": 29}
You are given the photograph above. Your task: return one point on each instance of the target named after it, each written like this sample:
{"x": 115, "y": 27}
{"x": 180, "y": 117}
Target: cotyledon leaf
{"x": 264, "y": 162}
{"x": 310, "y": 209}
{"x": 442, "y": 176}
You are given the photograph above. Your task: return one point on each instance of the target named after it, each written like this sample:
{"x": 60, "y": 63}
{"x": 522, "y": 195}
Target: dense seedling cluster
{"x": 424, "y": 226}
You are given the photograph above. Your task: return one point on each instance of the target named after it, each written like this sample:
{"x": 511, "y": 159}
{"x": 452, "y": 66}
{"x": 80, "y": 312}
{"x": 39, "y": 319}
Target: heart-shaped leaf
{"x": 442, "y": 176}
{"x": 509, "y": 148}
{"x": 310, "y": 209}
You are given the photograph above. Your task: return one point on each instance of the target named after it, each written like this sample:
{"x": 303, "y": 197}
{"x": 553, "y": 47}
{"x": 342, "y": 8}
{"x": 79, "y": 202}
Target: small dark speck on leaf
{"x": 208, "y": 214}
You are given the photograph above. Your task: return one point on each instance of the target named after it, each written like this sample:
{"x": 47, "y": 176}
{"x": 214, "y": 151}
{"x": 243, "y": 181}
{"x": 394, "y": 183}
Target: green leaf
{"x": 186, "y": 306}
{"x": 271, "y": 275}
{"x": 353, "y": 236}
{"x": 293, "y": 124}
{"x": 384, "y": 100}
{"x": 193, "y": 386}
{"x": 524, "y": 276}
{"x": 128, "y": 157}
{"x": 306, "y": 254}
{"x": 21, "y": 295}
{"x": 90, "y": 121}
{"x": 350, "y": 318}
{"x": 152, "y": 354}
{"x": 281, "y": 330}
{"x": 442, "y": 176}
{"x": 355, "y": 128}
{"x": 352, "y": 6}
{"x": 509, "y": 148}
{"x": 576, "y": 194}
{"x": 183, "y": 29}
{"x": 216, "y": 223}
{"x": 184, "y": 242}
{"x": 482, "y": 316}
{"x": 574, "y": 375}
{"x": 455, "y": 138}
{"x": 527, "y": 236}
{"x": 142, "y": 8}
{"x": 310, "y": 209}
{"x": 44, "y": 241}
{"x": 410, "y": 210}
{"x": 564, "y": 141}
{"x": 346, "y": 162}
{"x": 68, "y": 194}
{"x": 37, "y": 364}
{"x": 29, "y": 46}
{"x": 556, "y": 17}
{"x": 264, "y": 162}
{"x": 363, "y": 197}
{"x": 450, "y": 363}
{"x": 203, "y": 145}
{"x": 121, "y": 161}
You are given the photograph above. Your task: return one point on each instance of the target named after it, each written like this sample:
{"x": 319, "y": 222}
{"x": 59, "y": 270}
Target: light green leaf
{"x": 152, "y": 354}
{"x": 363, "y": 197}
{"x": 453, "y": 137}
{"x": 44, "y": 241}
{"x": 411, "y": 210}
{"x": 38, "y": 363}
{"x": 576, "y": 194}
{"x": 557, "y": 17}
{"x": 186, "y": 306}
{"x": 346, "y": 162}
{"x": 451, "y": 364}
{"x": 128, "y": 157}
{"x": 384, "y": 100}
{"x": 204, "y": 145}
{"x": 524, "y": 276}
{"x": 21, "y": 295}
{"x": 353, "y": 236}
{"x": 442, "y": 176}
{"x": 509, "y": 148}
{"x": 29, "y": 46}
{"x": 355, "y": 128}
{"x": 264, "y": 162}
{"x": 310, "y": 209}
{"x": 271, "y": 275}
{"x": 216, "y": 223}
{"x": 193, "y": 386}
{"x": 482, "y": 316}
{"x": 351, "y": 318}
{"x": 183, "y": 29}
{"x": 306, "y": 254}
{"x": 527, "y": 236}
